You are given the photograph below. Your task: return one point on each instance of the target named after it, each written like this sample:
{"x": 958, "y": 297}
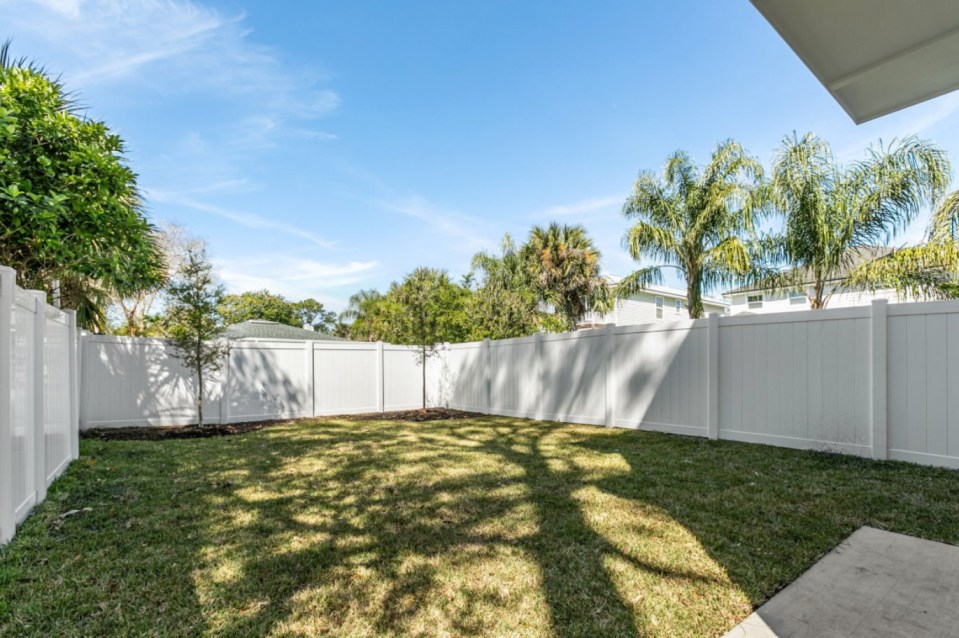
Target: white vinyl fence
{"x": 129, "y": 381}
{"x": 880, "y": 381}
{"x": 38, "y": 399}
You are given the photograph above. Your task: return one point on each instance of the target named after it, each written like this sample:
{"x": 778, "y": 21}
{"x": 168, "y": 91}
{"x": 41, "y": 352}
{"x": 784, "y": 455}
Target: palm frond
{"x": 638, "y": 281}
{"x": 944, "y": 224}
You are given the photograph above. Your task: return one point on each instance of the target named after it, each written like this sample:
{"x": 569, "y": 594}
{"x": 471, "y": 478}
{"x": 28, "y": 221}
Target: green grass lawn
{"x": 483, "y": 527}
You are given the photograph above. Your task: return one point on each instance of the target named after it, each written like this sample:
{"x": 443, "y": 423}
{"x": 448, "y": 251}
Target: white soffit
{"x": 874, "y": 56}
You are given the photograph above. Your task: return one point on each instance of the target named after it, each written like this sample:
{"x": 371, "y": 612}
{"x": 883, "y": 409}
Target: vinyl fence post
{"x": 712, "y": 419}
{"x": 539, "y": 367}
{"x": 225, "y": 393}
{"x": 8, "y": 279}
{"x": 487, "y": 376}
{"x": 309, "y": 373}
{"x": 380, "y": 378}
{"x": 878, "y": 413}
{"x": 74, "y": 360}
{"x": 39, "y": 435}
{"x": 610, "y": 375}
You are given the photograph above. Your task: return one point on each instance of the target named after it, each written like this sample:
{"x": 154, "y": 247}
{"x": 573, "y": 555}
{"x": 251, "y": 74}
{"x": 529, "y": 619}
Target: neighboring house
{"x": 654, "y": 303}
{"x": 754, "y": 300}
{"x": 259, "y": 329}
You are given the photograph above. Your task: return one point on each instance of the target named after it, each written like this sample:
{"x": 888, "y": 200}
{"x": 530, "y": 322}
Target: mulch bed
{"x": 158, "y": 433}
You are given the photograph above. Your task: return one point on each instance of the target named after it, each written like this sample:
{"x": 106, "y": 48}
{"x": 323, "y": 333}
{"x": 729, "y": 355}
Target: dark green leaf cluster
{"x": 262, "y": 304}
{"x": 69, "y": 204}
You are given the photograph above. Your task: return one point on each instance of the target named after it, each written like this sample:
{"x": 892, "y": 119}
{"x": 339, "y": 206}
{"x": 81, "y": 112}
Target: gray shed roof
{"x": 261, "y": 329}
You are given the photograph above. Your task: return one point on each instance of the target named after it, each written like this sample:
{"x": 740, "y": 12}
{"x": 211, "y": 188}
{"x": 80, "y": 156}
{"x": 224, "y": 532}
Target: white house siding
{"x": 781, "y": 302}
{"x": 641, "y": 309}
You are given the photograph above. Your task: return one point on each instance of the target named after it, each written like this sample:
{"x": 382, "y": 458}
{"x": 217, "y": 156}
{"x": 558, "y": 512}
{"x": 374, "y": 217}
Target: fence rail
{"x": 38, "y": 399}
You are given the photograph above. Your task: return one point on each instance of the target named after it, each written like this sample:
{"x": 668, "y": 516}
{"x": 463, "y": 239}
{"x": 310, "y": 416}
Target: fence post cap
{"x": 880, "y": 301}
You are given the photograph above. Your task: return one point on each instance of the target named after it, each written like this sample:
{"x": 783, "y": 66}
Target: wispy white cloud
{"x": 469, "y": 232}
{"x": 294, "y": 277}
{"x": 250, "y": 220}
{"x": 169, "y": 46}
{"x": 583, "y": 207}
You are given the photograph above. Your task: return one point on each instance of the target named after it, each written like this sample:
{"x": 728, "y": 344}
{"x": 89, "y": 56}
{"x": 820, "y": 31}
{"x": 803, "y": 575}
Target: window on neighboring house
{"x": 659, "y": 307}
{"x": 797, "y": 297}
{"x": 679, "y": 306}
{"x": 754, "y": 301}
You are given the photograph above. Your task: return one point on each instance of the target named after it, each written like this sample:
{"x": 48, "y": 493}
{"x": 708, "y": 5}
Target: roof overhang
{"x": 874, "y": 56}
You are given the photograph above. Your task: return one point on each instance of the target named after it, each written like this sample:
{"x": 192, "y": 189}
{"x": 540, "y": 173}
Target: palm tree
{"x": 369, "y": 316}
{"x": 927, "y": 271}
{"x": 831, "y": 213}
{"x": 563, "y": 265}
{"x": 505, "y": 305}
{"x": 695, "y": 220}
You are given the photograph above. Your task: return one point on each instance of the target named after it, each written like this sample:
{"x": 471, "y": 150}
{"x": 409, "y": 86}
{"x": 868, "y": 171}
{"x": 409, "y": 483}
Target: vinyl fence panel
{"x": 797, "y": 379}
{"x": 464, "y": 380}
{"x": 661, "y": 377}
{"x": 58, "y": 423}
{"x": 128, "y": 381}
{"x": 269, "y": 380}
{"x": 923, "y": 390}
{"x": 347, "y": 378}
{"x": 877, "y": 380}
{"x": 572, "y": 377}
{"x": 402, "y": 378}
{"x": 23, "y": 421}
{"x": 515, "y": 377}
{"x": 38, "y": 376}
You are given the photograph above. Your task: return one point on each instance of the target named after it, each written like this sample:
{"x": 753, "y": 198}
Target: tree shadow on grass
{"x": 426, "y": 529}
{"x": 767, "y": 514}
{"x": 488, "y": 527}
{"x": 96, "y": 558}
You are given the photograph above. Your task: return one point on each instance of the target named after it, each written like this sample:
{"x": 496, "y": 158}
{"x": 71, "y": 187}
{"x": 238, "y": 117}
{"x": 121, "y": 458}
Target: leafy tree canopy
{"x": 563, "y": 267}
{"x": 506, "y": 304}
{"x": 828, "y": 209}
{"x": 698, "y": 220}
{"x": 69, "y": 204}
{"x": 262, "y": 304}
{"x": 397, "y": 316}
{"x": 927, "y": 271}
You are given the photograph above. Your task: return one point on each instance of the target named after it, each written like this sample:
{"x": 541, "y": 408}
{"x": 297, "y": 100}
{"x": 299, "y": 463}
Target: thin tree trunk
{"x": 423, "y": 363}
{"x": 816, "y": 303}
{"x": 694, "y": 297}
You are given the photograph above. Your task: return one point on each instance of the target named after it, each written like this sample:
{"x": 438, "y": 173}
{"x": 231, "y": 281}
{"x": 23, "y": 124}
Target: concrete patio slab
{"x": 874, "y": 584}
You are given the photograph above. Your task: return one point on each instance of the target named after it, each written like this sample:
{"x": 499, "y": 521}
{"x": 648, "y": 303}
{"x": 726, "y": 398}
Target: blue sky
{"x": 321, "y": 148}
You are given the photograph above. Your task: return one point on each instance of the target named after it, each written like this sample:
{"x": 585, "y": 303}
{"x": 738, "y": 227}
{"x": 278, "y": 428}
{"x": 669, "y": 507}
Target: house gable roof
{"x": 261, "y": 329}
{"x": 855, "y": 257}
